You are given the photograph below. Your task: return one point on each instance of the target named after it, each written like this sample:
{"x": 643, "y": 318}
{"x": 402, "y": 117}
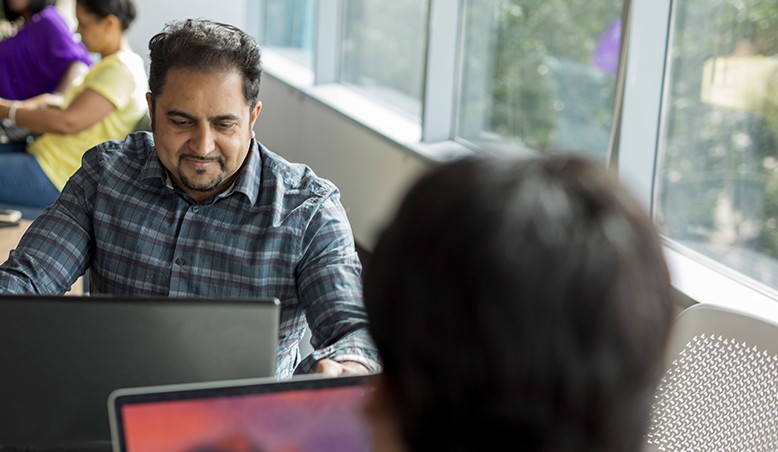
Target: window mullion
{"x": 649, "y": 28}
{"x": 441, "y": 70}
{"x": 328, "y": 34}
{"x": 255, "y": 15}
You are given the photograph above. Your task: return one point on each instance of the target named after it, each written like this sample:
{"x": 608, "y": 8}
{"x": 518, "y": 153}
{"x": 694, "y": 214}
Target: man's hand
{"x": 332, "y": 368}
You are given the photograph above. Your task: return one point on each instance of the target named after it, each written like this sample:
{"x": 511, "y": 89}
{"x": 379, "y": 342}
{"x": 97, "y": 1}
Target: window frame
{"x": 636, "y": 136}
{"x": 641, "y": 135}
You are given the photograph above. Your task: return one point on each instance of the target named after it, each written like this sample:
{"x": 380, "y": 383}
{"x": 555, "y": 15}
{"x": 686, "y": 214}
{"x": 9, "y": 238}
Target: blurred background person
{"x": 107, "y": 104}
{"x": 43, "y": 55}
{"x": 517, "y": 305}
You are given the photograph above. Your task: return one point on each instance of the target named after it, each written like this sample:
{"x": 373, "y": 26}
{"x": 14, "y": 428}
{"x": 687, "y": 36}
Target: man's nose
{"x": 202, "y": 142}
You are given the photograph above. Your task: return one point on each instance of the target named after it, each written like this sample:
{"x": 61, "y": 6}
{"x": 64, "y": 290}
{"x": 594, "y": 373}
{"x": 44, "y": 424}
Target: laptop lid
{"x": 303, "y": 414}
{"x": 62, "y": 356}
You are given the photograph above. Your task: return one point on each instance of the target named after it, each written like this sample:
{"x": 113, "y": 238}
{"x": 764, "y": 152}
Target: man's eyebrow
{"x": 180, "y": 113}
{"x": 224, "y": 117}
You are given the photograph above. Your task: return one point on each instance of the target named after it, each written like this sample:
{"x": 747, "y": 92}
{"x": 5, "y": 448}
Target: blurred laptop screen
{"x": 311, "y": 414}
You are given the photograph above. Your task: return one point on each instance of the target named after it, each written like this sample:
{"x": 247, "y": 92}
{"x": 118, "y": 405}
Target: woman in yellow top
{"x": 105, "y": 105}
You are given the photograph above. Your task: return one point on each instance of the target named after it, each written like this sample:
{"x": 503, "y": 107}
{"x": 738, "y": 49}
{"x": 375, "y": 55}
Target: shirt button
{"x": 180, "y": 261}
{"x": 195, "y": 209}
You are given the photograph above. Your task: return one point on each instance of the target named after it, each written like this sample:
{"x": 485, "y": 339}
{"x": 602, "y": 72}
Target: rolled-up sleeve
{"x": 330, "y": 290}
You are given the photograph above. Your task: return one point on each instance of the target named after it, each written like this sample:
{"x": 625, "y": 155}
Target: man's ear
{"x": 255, "y": 113}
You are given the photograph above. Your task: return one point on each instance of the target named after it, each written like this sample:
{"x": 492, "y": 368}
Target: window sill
{"x": 704, "y": 281}
{"x": 363, "y": 110}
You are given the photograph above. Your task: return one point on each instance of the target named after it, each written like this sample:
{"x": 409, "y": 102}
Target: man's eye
{"x": 225, "y": 125}
{"x": 179, "y": 122}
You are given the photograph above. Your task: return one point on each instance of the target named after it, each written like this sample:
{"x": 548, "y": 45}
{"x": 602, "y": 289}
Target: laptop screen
{"x": 62, "y": 357}
{"x": 304, "y": 414}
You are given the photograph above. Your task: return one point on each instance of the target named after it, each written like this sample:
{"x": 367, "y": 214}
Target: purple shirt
{"x": 34, "y": 61}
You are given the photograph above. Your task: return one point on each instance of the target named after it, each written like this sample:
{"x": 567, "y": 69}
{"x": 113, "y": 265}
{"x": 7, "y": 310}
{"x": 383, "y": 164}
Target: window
{"x": 717, "y": 184}
{"x": 288, "y": 28}
{"x": 697, "y": 132}
{"x": 383, "y": 49}
{"x": 539, "y": 74}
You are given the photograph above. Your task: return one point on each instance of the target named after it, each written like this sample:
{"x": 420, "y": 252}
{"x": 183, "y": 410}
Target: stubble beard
{"x": 207, "y": 185}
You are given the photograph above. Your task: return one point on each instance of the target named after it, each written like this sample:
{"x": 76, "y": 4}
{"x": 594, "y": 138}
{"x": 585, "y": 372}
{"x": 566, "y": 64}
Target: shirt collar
{"x": 247, "y": 182}
{"x": 249, "y": 175}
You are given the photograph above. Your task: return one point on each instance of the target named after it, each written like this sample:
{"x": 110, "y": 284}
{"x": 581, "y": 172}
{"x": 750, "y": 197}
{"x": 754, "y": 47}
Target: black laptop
{"x": 305, "y": 414}
{"x": 61, "y": 357}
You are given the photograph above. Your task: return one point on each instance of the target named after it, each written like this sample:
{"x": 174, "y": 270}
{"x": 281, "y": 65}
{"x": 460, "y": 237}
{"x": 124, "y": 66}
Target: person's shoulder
{"x": 122, "y": 65}
{"x": 129, "y": 58}
{"x": 118, "y": 59}
{"x": 296, "y": 178}
{"x": 49, "y": 20}
{"x": 132, "y": 151}
{"x": 47, "y": 14}
{"x": 45, "y": 27}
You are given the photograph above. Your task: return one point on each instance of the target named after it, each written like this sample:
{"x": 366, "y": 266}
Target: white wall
{"x": 371, "y": 171}
{"x": 154, "y": 14}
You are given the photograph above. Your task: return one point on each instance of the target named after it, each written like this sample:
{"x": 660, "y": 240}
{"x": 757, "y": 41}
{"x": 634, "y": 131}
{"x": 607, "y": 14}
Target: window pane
{"x": 718, "y": 178}
{"x": 540, "y": 74}
{"x": 289, "y": 28}
{"x": 383, "y": 48}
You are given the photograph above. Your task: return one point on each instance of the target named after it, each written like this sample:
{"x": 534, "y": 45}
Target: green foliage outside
{"x": 535, "y": 60}
{"x": 718, "y": 180}
{"x": 528, "y": 80}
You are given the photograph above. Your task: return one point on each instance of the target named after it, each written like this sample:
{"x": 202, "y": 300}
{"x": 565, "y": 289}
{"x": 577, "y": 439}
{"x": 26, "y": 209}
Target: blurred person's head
{"x": 14, "y": 9}
{"x": 517, "y": 302}
{"x": 102, "y": 24}
{"x": 123, "y": 10}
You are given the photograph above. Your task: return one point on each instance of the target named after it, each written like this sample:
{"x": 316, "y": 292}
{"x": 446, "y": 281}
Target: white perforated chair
{"x": 720, "y": 388}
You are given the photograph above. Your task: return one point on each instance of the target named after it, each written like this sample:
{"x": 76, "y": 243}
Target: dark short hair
{"x": 124, "y": 10}
{"x": 205, "y": 46}
{"x": 520, "y": 302}
{"x": 36, "y": 6}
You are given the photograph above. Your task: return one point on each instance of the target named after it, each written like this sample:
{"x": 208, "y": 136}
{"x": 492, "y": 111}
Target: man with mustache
{"x": 199, "y": 207}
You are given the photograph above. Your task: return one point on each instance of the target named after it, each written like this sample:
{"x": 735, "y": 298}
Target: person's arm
{"x": 332, "y": 368}
{"x": 87, "y": 108}
{"x": 330, "y": 289}
{"x": 108, "y": 85}
{"x": 43, "y": 100}
{"x": 56, "y": 248}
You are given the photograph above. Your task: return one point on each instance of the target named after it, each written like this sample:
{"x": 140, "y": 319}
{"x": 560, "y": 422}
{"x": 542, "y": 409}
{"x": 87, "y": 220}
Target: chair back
{"x": 720, "y": 388}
